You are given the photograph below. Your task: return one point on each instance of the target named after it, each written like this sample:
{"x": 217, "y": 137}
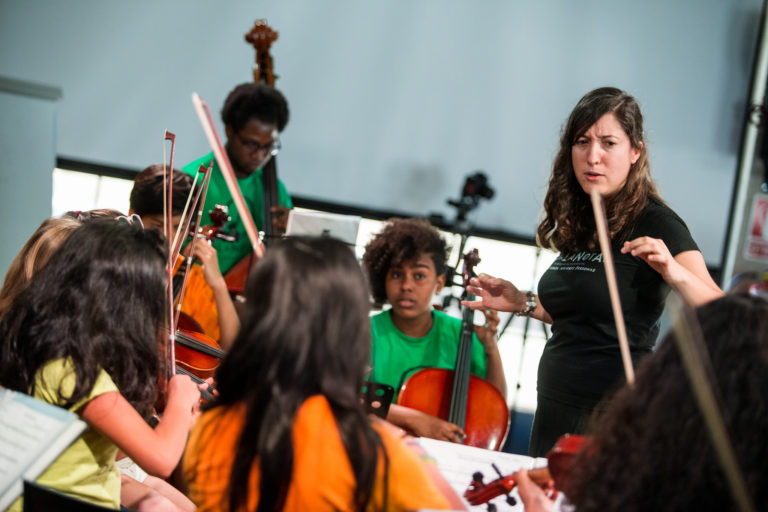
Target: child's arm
{"x": 423, "y": 424}
{"x": 430, "y": 467}
{"x": 487, "y": 336}
{"x": 157, "y": 450}
{"x": 229, "y": 322}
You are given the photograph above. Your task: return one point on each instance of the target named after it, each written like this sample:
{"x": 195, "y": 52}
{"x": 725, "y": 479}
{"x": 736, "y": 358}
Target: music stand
{"x": 321, "y": 224}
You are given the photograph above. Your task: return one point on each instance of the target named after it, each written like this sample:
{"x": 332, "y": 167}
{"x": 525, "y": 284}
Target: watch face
{"x": 530, "y": 304}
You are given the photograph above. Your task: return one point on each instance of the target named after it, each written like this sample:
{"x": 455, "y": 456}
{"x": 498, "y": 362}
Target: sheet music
{"x": 458, "y": 462}
{"x": 32, "y": 435}
{"x": 343, "y": 227}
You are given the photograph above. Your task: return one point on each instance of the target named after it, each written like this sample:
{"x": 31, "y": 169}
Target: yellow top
{"x": 86, "y": 470}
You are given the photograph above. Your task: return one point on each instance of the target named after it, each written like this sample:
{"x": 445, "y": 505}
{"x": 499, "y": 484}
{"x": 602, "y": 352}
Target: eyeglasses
{"x": 253, "y": 146}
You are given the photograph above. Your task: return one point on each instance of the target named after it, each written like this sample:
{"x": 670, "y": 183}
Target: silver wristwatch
{"x": 530, "y": 304}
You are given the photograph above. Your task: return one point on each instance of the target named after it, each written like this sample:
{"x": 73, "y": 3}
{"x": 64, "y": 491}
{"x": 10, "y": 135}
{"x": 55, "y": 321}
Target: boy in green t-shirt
{"x": 147, "y": 197}
{"x": 405, "y": 265}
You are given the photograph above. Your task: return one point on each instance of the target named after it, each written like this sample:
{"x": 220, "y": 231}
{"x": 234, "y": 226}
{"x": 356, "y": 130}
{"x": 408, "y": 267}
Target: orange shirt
{"x": 322, "y": 475}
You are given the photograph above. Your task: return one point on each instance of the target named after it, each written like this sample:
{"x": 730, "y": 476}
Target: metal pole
{"x": 753, "y": 122}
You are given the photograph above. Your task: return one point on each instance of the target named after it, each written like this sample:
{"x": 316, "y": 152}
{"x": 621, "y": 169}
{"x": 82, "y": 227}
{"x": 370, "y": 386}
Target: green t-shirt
{"x": 86, "y": 470}
{"x": 395, "y": 356}
{"x": 229, "y": 253}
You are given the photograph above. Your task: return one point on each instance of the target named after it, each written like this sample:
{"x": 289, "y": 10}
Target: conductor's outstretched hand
{"x": 494, "y": 293}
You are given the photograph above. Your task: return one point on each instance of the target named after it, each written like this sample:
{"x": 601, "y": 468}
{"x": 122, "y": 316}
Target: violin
{"x": 197, "y": 353}
{"x": 197, "y": 300}
{"x": 185, "y": 344}
{"x": 206, "y": 395}
{"x": 559, "y": 466}
{"x": 466, "y": 400}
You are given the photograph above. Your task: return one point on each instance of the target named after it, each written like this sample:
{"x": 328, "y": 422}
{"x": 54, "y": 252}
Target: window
{"x": 75, "y": 190}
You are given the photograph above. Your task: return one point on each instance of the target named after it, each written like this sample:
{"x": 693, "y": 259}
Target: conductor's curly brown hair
{"x": 401, "y": 240}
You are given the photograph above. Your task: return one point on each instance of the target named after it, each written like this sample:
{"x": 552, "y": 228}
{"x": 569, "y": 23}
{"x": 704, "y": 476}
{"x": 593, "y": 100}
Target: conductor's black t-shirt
{"x": 581, "y": 362}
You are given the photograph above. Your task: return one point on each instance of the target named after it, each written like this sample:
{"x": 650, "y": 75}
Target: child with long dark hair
{"x": 83, "y": 335}
{"x": 288, "y": 430}
{"x": 651, "y": 450}
{"x": 35, "y": 253}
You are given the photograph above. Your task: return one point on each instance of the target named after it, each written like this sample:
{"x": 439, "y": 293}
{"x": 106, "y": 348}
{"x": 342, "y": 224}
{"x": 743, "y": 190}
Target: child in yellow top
{"x": 83, "y": 335}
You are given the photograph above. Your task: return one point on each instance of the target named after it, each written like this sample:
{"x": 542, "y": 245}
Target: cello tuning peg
{"x": 491, "y": 507}
{"x": 511, "y": 500}
{"x": 477, "y": 476}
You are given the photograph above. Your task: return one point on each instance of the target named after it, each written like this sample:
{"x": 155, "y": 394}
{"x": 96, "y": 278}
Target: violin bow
{"x": 693, "y": 354}
{"x": 613, "y": 289}
{"x": 698, "y": 367}
{"x": 170, "y": 348}
{"x": 204, "y": 114}
{"x": 199, "y": 201}
{"x": 186, "y": 219}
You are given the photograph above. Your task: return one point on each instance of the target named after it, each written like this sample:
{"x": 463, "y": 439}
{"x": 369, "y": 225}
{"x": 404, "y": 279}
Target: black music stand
{"x": 377, "y": 397}
{"x": 38, "y": 498}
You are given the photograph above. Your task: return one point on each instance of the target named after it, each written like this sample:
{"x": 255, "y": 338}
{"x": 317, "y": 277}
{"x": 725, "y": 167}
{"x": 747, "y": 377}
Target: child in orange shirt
{"x": 288, "y": 430}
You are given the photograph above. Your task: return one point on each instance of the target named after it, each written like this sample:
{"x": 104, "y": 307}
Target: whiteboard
{"x": 394, "y": 103}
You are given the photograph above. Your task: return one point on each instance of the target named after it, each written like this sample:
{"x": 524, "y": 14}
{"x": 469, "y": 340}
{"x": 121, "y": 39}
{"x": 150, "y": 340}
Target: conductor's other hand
{"x": 655, "y": 253}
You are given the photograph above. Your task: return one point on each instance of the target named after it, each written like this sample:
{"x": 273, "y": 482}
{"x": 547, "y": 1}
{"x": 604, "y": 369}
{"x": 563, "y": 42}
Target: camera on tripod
{"x": 476, "y": 185}
{"x": 475, "y": 188}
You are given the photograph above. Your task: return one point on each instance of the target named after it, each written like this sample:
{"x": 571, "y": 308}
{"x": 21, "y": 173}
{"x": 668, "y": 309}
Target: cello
{"x": 466, "y": 400}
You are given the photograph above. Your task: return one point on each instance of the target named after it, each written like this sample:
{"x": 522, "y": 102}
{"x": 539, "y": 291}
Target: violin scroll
{"x": 478, "y": 492}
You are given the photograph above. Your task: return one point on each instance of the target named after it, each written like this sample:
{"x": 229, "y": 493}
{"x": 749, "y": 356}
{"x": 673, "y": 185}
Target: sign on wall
{"x": 756, "y": 247}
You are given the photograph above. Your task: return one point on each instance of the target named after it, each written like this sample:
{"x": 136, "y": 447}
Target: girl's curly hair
{"x": 401, "y": 240}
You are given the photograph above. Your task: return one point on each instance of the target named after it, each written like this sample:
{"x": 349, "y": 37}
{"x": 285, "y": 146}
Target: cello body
{"x": 487, "y": 415}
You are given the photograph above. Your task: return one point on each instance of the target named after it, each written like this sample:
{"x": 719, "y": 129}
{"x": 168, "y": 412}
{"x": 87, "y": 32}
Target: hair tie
{"x": 132, "y": 219}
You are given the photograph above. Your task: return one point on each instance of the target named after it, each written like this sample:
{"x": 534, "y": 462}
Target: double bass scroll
{"x": 261, "y": 37}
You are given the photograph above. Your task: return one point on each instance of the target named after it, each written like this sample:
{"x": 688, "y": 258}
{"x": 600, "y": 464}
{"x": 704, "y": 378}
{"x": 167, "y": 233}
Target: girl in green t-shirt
{"x": 406, "y": 266}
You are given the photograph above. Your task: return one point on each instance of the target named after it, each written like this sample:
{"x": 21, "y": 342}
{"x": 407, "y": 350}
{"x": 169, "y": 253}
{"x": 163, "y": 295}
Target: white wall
{"x": 395, "y": 102}
{"x": 28, "y": 149}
